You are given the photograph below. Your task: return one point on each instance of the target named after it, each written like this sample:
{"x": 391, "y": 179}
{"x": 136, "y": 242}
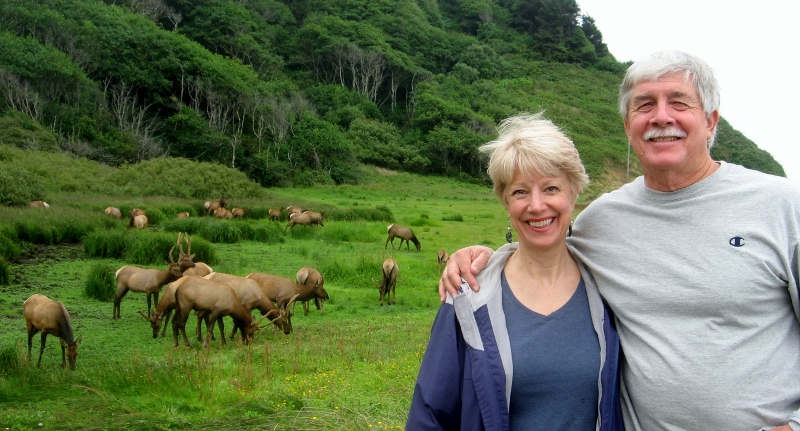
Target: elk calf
{"x": 239, "y": 212}
{"x": 275, "y": 214}
{"x": 113, "y": 212}
{"x": 402, "y": 232}
{"x": 184, "y": 214}
{"x": 50, "y": 317}
{"x": 38, "y": 204}
{"x": 388, "y": 281}
{"x": 442, "y": 257}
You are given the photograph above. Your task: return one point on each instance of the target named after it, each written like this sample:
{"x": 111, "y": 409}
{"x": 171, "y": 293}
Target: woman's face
{"x": 540, "y": 209}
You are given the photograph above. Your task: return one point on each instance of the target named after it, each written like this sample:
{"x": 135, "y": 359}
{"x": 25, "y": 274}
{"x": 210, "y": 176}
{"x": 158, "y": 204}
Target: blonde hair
{"x": 534, "y": 145}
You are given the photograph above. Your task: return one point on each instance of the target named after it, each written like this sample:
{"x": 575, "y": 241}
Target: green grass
{"x": 350, "y": 368}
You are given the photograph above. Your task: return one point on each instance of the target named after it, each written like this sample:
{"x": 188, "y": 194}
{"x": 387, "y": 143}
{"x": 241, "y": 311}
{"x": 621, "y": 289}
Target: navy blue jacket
{"x": 464, "y": 381}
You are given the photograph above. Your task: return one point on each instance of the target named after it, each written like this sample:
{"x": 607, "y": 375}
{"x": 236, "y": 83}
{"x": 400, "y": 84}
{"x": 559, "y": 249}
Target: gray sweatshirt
{"x": 704, "y": 285}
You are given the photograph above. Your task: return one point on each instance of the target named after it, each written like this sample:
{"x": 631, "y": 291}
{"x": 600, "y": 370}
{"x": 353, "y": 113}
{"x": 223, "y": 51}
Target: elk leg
{"x": 221, "y": 329}
{"x": 63, "y": 356}
{"x": 117, "y": 299}
{"x": 31, "y": 332}
{"x": 165, "y": 322}
{"x": 41, "y": 349}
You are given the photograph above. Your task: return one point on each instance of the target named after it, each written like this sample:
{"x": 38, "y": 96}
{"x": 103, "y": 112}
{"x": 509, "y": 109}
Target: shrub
{"x": 454, "y": 217}
{"x": 380, "y": 213}
{"x": 109, "y": 244}
{"x": 101, "y": 284}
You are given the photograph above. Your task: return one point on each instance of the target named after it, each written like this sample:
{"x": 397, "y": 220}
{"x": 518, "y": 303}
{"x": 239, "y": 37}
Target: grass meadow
{"x": 352, "y": 367}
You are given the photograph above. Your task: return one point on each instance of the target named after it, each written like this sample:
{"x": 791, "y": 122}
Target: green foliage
{"x": 101, "y": 283}
{"x": 20, "y": 130}
{"x": 105, "y": 244}
{"x": 18, "y": 186}
{"x": 10, "y": 359}
{"x": 734, "y": 147}
{"x": 453, "y": 217}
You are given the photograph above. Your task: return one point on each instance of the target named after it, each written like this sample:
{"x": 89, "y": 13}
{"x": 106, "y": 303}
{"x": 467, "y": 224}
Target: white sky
{"x": 751, "y": 46}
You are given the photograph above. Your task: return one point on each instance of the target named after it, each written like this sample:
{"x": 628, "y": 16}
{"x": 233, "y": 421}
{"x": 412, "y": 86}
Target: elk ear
{"x": 63, "y": 343}
{"x": 78, "y": 341}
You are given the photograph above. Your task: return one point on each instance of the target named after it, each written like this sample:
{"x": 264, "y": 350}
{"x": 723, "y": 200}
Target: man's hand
{"x": 465, "y": 263}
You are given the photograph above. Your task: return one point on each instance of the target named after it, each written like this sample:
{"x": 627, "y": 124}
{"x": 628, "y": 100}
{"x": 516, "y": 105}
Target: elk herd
{"x": 190, "y": 286}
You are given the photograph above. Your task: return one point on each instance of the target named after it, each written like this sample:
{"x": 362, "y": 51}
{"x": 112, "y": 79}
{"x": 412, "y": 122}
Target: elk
{"x": 275, "y": 214}
{"x": 442, "y": 257}
{"x": 38, "y": 204}
{"x": 239, "y": 212}
{"x": 185, "y": 260}
{"x": 388, "y": 281}
{"x": 252, "y": 297}
{"x": 291, "y": 209}
{"x": 143, "y": 280}
{"x": 184, "y": 214}
{"x": 223, "y": 213}
{"x": 301, "y": 219}
{"x": 214, "y": 205}
{"x": 166, "y": 305}
{"x": 316, "y": 218}
{"x": 216, "y": 299}
{"x": 113, "y": 212}
{"x": 44, "y": 315}
{"x": 310, "y": 276}
{"x": 200, "y": 269}
{"x": 284, "y": 292}
{"x": 402, "y": 232}
{"x": 138, "y": 219}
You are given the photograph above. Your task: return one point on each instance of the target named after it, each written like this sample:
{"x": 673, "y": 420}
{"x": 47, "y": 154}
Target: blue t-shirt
{"x": 556, "y": 364}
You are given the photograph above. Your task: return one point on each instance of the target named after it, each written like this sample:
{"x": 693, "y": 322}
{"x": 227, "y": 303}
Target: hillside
{"x": 296, "y": 93}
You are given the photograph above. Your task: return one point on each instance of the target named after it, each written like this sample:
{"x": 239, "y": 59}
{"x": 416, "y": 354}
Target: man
{"x": 700, "y": 262}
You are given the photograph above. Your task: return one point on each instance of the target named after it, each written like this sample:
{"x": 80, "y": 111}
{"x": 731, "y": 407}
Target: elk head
{"x": 185, "y": 260}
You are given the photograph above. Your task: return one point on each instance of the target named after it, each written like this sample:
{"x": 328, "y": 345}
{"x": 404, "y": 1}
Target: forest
{"x": 295, "y": 93}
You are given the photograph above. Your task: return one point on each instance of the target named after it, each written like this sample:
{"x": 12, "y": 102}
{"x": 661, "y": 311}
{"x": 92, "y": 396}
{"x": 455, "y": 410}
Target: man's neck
{"x": 672, "y": 180}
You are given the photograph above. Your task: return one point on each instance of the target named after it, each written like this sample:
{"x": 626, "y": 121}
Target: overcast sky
{"x": 751, "y": 46}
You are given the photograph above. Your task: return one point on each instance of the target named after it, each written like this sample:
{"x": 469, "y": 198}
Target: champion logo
{"x": 736, "y": 241}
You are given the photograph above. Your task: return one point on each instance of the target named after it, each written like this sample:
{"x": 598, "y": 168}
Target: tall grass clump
{"x": 9, "y": 360}
{"x": 379, "y": 213}
{"x": 146, "y": 248}
{"x": 453, "y": 217}
{"x": 106, "y": 243}
{"x": 18, "y": 186}
{"x": 101, "y": 283}
{"x": 53, "y": 225}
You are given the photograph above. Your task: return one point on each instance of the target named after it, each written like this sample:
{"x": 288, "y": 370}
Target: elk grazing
{"x": 302, "y": 220}
{"x": 50, "y": 317}
{"x": 284, "y": 292}
{"x": 309, "y": 276}
{"x": 388, "y": 281}
{"x": 402, "y": 232}
{"x": 138, "y": 219}
{"x": 239, "y": 212}
{"x": 38, "y": 204}
{"x": 113, "y": 212}
{"x": 184, "y": 214}
{"x": 275, "y": 214}
{"x": 216, "y": 299}
{"x": 144, "y": 280}
{"x": 166, "y": 305}
{"x": 442, "y": 257}
{"x": 252, "y": 297}
{"x": 214, "y": 205}
{"x": 223, "y": 213}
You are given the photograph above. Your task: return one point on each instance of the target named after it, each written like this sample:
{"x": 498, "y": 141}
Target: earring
{"x": 508, "y": 233}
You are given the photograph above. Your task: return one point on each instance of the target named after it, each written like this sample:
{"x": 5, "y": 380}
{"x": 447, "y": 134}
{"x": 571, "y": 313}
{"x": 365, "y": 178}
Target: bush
{"x": 101, "y": 284}
{"x": 454, "y": 217}
{"x": 9, "y": 360}
{"x": 380, "y": 213}
{"x": 18, "y": 186}
{"x": 110, "y": 244}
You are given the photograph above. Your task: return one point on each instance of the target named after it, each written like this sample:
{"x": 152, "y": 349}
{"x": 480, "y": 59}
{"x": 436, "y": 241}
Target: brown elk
{"x": 252, "y": 297}
{"x": 388, "y": 281}
{"x": 284, "y": 292}
{"x": 275, "y": 214}
{"x": 184, "y": 214}
{"x": 292, "y": 209}
{"x": 113, "y": 212}
{"x": 239, "y": 212}
{"x": 216, "y": 299}
{"x": 214, "y": 205}
{"x": 316, "y": 218}
{"x": 442, "y": 257}
{"x": 38, "y": 204}
{"x": 310, "y": 276}
{"x": 302, "y": 220}
{"x": 200, "y": 269}
{"x": 223, "y": 213}
{"x": 50, "y": 317}
{"x": 402, "y": 232}
{"x": 185, "y": 259}
{"x": 138, "y": 219}
{"x": 149, "y": 281}
{"x": 166, "y": 305}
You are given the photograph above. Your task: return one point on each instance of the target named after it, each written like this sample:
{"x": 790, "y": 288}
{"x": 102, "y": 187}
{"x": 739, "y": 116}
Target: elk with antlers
{"x": 144, "y": 280}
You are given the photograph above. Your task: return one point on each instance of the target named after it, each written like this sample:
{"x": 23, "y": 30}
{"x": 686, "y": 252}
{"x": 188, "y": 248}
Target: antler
{"x": 171, "y": 259}
{"x": 145, "y": 316}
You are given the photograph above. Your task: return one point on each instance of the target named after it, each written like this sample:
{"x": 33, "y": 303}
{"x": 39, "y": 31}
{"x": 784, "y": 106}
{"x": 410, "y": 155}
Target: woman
{"x": 535, "y": 348}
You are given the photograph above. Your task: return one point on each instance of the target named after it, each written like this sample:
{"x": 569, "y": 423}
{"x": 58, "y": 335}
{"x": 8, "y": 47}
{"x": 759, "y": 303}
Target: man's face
{"x": 667, "y": 127}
